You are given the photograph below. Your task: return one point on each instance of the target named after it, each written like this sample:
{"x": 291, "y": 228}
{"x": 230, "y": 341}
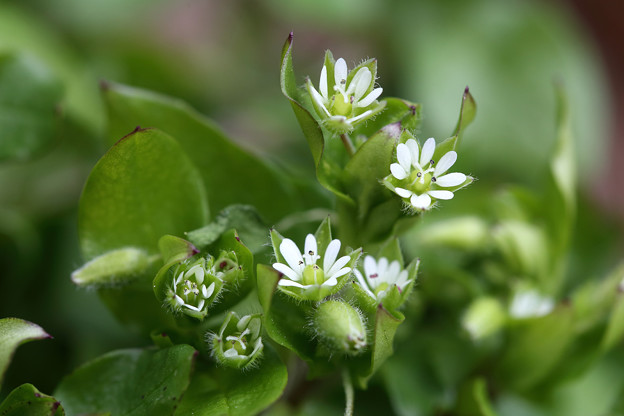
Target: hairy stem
{"x": 348, "y": 388}
{"x": 347, "y": 144}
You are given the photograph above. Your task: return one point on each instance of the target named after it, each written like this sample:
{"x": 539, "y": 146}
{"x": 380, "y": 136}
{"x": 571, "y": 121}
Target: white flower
{"x": 419, "y": 177}
{"x": 380, "y": 276}
{"x": 193, "y": 288}
{"x": 302, "y": 270}
{"x": 349, "y": 102}
{"x": 530, "y": 304}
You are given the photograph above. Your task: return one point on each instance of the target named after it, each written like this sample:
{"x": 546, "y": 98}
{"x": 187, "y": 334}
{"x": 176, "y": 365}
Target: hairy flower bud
{"x": 340, "y": 327}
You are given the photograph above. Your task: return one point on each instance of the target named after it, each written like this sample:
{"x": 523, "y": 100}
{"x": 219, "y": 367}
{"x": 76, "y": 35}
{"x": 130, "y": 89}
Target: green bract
{"x": 238, "y": 343}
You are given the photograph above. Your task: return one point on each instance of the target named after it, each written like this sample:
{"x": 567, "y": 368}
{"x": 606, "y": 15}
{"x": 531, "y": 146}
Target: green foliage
{"x": 13, "y": 333}
{"x": 26, "y": 400}
{"x": 129, "y": 382}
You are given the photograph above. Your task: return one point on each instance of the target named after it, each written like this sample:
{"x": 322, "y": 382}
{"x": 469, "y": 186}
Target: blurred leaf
{"x": 615, "y": 327}
{"x": 473, "y": 399}
{"x": 227, "y": 391}
{"x": 129, "y": 382}
{"x": 26, "y": 400}
{"x": 231, "y": 174}
{"x": 114, "y": 267}
{"x": 29, "y": 110}
{"x": 535, "y": 346}
{"x": 13, "y": 333}
{"x": 143, "y": 188}
{"x": 174, "y": 249}
{"x": 244, "y": 218}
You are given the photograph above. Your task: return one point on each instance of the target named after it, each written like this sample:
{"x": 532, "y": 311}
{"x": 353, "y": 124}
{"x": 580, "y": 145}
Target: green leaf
{"x": 28, "y": 107}
{"x": 615, "y": 327}
{"x": 285, "y": 320}
{"x": 13, "y": 333}
{"x": 114, "y": 267}
{"x": 225, "y": 391}
{"x": 231, "y": 175}
{"x": 129, "y": 382}
{"x": 535, "y": 346}
{"x": 143, "y": 188}
{"x": 473, "y": 399}
{"x": 26, "y": 400}
{"x": 467, "y": 113}
{"x": 245, "y": 219}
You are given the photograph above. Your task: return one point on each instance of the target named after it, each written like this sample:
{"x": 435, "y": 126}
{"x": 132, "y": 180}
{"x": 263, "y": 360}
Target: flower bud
{"x": 238, "y": 343}
{"x": 227, "y": 268}
{"x": 194, "y": 288}
{"x": 340, "y": 327}
{"x": 484, "y": 316}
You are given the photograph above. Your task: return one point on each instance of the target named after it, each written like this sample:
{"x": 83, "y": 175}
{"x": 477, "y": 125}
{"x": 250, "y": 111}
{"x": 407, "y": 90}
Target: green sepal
{"x": 371, "y": 64}
{"x": 26, "y": 400}
{"x": 467, "y": 113}
{"x": 161, "y": 339}
{"x": 116, "y": 267}
{"x": 175, "y": 249}
{"x": 396, "y": 110}
{"x": 13, "y": 333}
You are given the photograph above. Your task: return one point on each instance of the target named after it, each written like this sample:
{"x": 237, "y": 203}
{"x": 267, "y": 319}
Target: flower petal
{"x": 320, "y": 101}
{"x": 412, "y": 145}
{"x": 330, "y": 254}
{"x": 441, "y": 194}
{"x": 445, "y": 162}
{"x": 287, "y": 271}
{"x": 207, "y": 292}
{"x": 370, "y": 266}
{"x": 340, "y": 272}
{"x": 362, "y": 283}
{"x": 420, "y": 201}
{"x": 397, "y": 171}
{"x": 372, "y": 96}
{"x": 292, "y": 255}
{"x": 341, "y": 262}
{"x": 360, "y": 83}
{"x": 427, "y": 152}
{"x": 403, "y": 193}
{"x": 332, "y": 281}
{"x": 361, "y": 116}
{"x": 323, "y": 83}
{"x": 286, "y": 282}
{"x": 451, "y": 179}
{"x": 310, "y": 253}
{"x": 340, "y": 73}
{"x": 404, "y": 156}
{"x": 392, "y": 273}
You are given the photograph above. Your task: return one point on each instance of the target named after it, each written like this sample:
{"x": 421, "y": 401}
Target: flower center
{"x": 237, "y": 342}
{"x": 313, "y": 275}
{"x": 420, "y": 181}
{"x": 340, "y": 105}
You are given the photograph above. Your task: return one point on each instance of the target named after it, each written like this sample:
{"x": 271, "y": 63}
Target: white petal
{"x": 340, "y": 73}
{"x": 310, "y": 253}
{"x": 427, "y": 152}
{"x": 361, "y": 116}
{"x": 445, "y": 162}
{"x": 363, "y": 284}
{"x": 231, "y": 353}
{"x": 441, "y": 194}
{"x": 403, "y": 193}
{"x": 287, "y": 271}
{"x": 451, "y": 179}
{"x": 340, "y": 272}
{"x": 330, "y": 254}
{"x": 421, "y": 201}
{"x": 382, "y": 266}
{"x": 393, "y": 270}
{"x": 341, "y": 262}
{"x": 370, "y": 266}
{"x": 401, "y": 280}
{"x": 292, "y": 255}
{"x": 179, "y": 300}
{"x": 360, "y": 83}
{"x": 397, "y": 171}
{"x": 412, "y": 145}
{"x": 323, "y": 83}
{"x": 332, "y": 281}
{"x": 368, "y": 100}
{"x": 403, "y": 156}
{"x": 286, "y": 282}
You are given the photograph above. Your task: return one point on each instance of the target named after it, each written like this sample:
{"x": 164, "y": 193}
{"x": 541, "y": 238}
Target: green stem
{"x": 348, "y": 388}
{"x": 347, "y": 144}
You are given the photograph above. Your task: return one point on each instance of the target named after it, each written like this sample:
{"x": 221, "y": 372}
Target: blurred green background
{"x": 223, "y": 58}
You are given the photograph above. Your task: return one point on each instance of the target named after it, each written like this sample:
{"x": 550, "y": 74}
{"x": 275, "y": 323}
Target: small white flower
{"x": 349, "y": 102}
{"x": 380, "y": 276}
{"x": 302, "y": 270}
{"x": 419, "y": 178}
{"x": 193, "y": 288}
{"x": 530, "y": 304}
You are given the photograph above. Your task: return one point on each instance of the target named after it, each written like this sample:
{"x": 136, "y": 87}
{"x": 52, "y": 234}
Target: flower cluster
{"x": 238, "y": 343}
{"x": 419, "y": 179}
{"x": 347, "y": 98}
